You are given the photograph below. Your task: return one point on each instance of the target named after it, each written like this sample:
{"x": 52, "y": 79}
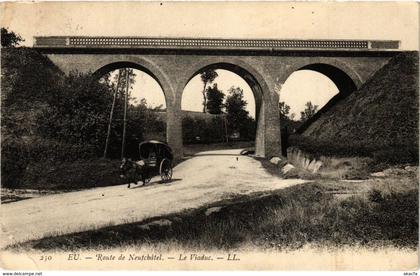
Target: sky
{"x": 281, "y": 20}
{"x": 277, "y": 20}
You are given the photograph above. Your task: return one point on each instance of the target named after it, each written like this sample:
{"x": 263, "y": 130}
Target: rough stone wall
{"x": 200, "y": 115}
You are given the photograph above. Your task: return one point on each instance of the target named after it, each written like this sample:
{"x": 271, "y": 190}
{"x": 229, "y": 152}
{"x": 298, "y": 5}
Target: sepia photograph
{"x": 216, "y": 135}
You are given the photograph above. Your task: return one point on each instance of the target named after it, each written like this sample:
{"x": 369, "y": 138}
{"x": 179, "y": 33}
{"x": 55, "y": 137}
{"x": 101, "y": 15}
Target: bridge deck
{"x": 209, "y": 43}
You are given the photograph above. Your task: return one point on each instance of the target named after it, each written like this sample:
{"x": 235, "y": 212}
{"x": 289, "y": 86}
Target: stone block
{"x": 287, "y": 168}
{"x": 275, "y": 160}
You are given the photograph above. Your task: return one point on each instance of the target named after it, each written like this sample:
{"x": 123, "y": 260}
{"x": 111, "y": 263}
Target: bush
{"x": 68, "y": 176}
{"x": 13, "y": 163}
{"x": 213, "y": 130}
{"x": 396, "y": 155}
{"x": 79, "y": 113}
{"x": 198, "y": 130}
{"x": 18, "y": 155}
{"x": 50, "y": 150}
{"x": 375, "y": 195}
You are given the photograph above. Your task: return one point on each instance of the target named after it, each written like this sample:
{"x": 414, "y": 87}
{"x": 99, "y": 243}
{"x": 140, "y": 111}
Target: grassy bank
{"x": 372, "y": 213}
{"x": 379, "y": 120}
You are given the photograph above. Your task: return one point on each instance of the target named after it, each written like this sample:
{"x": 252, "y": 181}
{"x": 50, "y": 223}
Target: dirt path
{"x": 208, "y": 177}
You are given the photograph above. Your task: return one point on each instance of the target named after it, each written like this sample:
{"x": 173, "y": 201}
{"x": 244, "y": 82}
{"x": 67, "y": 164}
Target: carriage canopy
{"x": 156, "y": 149}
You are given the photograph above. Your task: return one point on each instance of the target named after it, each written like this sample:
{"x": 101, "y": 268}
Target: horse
{"x": 131, "y": 170}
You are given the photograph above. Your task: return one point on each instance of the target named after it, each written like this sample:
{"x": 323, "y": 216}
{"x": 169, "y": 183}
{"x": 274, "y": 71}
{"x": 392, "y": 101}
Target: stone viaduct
{"x": 264, "y": 64}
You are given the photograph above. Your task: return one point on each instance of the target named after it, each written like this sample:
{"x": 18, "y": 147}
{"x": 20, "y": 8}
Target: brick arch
{"x": 253, "y": 83}
{"x": 235, "y": 65}
{"x": 267, "y": 140}
{"x": 149, "y": 68}
{"x": 344, "y": 77}
{"x": 142, "y": 64}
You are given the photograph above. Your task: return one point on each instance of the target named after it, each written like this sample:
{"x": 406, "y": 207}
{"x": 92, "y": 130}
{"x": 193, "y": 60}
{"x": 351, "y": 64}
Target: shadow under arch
{"x": 344, "y": 83}
{"x": 127, "y": 64}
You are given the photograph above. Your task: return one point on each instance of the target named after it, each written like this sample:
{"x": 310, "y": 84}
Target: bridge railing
{"x": 209, "y": 43}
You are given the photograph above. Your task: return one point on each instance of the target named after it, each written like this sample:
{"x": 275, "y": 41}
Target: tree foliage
{"x": 235, "y": 107}
{"x": 10, "y": 38}
{"x": 47, "y": 115}
{"x": 237, "y": 116}
{"x": 309, "y": 111}
{"x": 207, "y": 76}
{"x": 287, "y": 122}
{"x": 284, "y": 110}
{"x": 214, "y": 99}
{"x": 200, "y": 130}
{"x": 78, "y": 113}
{"x": 28, "y": 82}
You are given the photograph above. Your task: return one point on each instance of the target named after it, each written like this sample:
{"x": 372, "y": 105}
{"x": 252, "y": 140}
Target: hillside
{"x": 25, "y": 86}
{"x": 381, "y": 116}
{"x": 50, "y": 120}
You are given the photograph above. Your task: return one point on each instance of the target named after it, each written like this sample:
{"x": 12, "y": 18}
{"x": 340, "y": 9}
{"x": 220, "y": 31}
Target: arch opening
{"x": 228, "y": 115}
{"x": 136, "y": 108}
{"x": 308, "y": 93}
{"x": 342, "y": 80}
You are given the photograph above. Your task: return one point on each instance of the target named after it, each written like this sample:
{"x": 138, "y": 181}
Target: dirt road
{"x": 206, "y": 178}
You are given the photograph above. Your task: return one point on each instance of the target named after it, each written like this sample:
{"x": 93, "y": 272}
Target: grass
{"x": 70, "y": 176}
{"x": 373, "y": 213}
{"x": 346, "y": 167}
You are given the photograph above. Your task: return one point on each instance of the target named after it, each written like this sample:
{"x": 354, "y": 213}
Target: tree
{"x": 238, "y": 118}
{"x": 9, "y": 38}
{"x": 207, "y": 76}
{"x": 284, "y": 110}
{"x": 77, "y": 113}
{"x": 287, "y": 119}
{"x": 309, "y": 111}
{"x": 214, "y": 99}
{"x": 235, "y": 106}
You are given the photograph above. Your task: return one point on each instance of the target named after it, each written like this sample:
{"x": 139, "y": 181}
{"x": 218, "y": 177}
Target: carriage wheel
{"x": 165, "y": 170}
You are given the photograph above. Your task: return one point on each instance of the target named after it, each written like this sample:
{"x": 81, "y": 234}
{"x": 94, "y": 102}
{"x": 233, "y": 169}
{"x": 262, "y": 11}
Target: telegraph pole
{"x": 226, "y": 130}
{"x": 127, "y": 85}
{"x": 111, "y": 114}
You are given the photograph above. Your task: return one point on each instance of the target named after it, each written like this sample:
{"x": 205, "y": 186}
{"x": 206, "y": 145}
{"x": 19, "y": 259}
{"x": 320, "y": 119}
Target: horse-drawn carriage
{"x": 155, "y": 159}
